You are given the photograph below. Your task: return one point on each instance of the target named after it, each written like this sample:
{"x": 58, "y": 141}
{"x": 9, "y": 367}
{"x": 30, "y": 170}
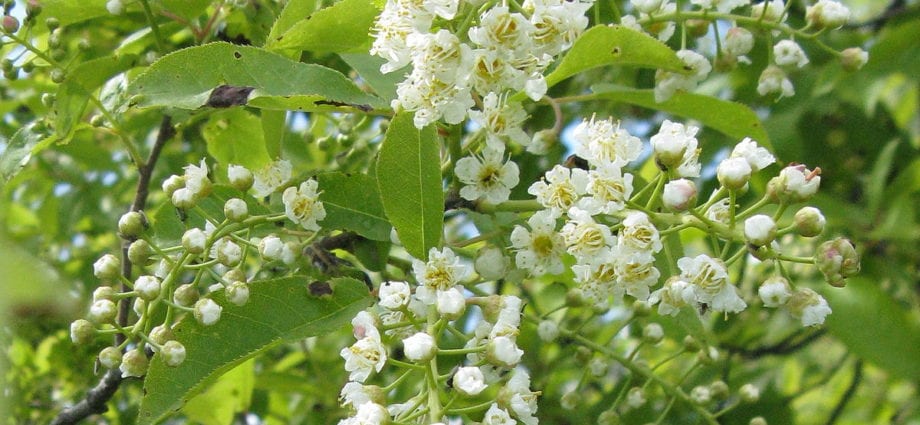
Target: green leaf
{"x": 75, "y": 92}
{"x": 368, "y": 67}
{"x": 614, "y": 45}
{"x": 273, "y": 126}
{"x": 344, "y": 26}
{"x": 186, "y": 8}
{"x": 352, "y": 203}
{"x": 875, "y": 327}
{"x": 875, "y": 184}
{"x": 18, "y": 152}
{"x": 409, "y": 180}
{"x": 69, "y": 11}
{"x": 231, "y": 394}
{"x": 730, "y": 118}
{"x": 234, "y": 136}
{"x": 293, "y": 12}
{"x": 278, "y": 310}
{"x": 186, "y": 78}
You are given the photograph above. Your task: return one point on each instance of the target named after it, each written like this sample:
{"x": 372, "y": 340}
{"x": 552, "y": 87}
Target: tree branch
{"x": 97, "y": 398}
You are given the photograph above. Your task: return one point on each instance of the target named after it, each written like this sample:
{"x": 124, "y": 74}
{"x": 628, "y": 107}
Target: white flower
{"x": 497, "y": 416}
{"x": 638, "y": 234}
{"x": 394, "y": 294}
{"x": 238, "y": 293}
{"x": 451, "y": 303}
{"x": 646, "y": 6}
{"x": 173, "y": 353}
{"x": 636, "y": 273}
{"x": 419, "y": 347}
{"x": 239, "y": 177}
{"x": 827, "y": 14}
{"x": 667, "y": 83}
{"x": 502, "y": 119}
{"x": 738, "y": 42}
{"x": 503, "y": 351}
{"x": 854, "y": 58}
{"x": 757, "y": 157}
{"x": 364, "y": 325}
{"x": 723, "y": 6}
{"x": 355, "y": 394}
{"x": 673, "y": 142}
{"x": 808, "y": 306}
{"x": 102, "y": 311}
{"x": 235, "y": 209}
{"x": 499, "y": 28}
{"x": 442, "y": 272}
{"x": 548, "y": 330}
{"x": 390, "y": 31}
{"x": 795, "y": 183}
{"x": 608, "y": 190}
{"x": 539, "y": 249}
{"x": 719, "y": 211}
{"x": 557, "y": 25}
{"x": 509, "y": 317}
{"x": 227, "y": 252}
{"x": 107, "y": 267}
{"x": 368, "y": 414}
{"x": 147, "y": 287}
{"x": 364, "y": 356}
{"x": 207, "y": 312}
{"x": 486, "y": 177}
{"x": 601, "y": 142}
{"x": 196, "y": 180}
{"x": 271, "y": 248}
{"x": 597, "y": 278}
{"x": 560, "y": 188}
{"x": 115, "y": 7}
{"x": 710, "y": 281}
{"x": 679, "y": 195}
{"x": 523, "y": 401}
{"x": 774, "y": 292}
{"x": 759, "y": 230}
{"x": 734, "y": 173}
{"x": 491, "y": 263}
{"x": 774, "y": 80}
{"x": 302, "y": 205}
{"x": 194, "y": 241}
{"x": 469, "y": 381}
{"x": 270, "y": 178}
{"x": 771, "y": 10}
{"x": 788, "y": 52}
{"x": 585, "y": 237}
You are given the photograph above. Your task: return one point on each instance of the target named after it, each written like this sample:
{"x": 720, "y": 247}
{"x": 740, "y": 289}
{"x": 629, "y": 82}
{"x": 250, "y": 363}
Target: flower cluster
{"x": 181, "y": 275}
{"x": 422, "y": 317}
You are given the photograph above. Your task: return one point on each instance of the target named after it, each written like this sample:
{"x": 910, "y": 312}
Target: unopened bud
{"x": 827, "y": 14}
{"x": 583, "y": 355}
{"x": 641, "y": 308}
{"x": 609, "y": 417}
{"x": 10, "y": 24}
{"x": 758, "y": 420}
{"x": 185, "y": 295}
{"x": 837, "y": 259}
{"x": 700, "y": 395}
{"x": 234, "y": 275}
{"x": 228, "y": 253}
{"x": 691, "y": 345}
{"x": 240, "y": 177}
{"x": 548, "y": 330}
{"x": 207, "y": 312}
{"x": 147, "y": 287}
{"x": 697, "y": 27}
{"x": 235, "y": 209}
{"x": 853, "y": 59}
{"x": 809, "y": 222}
{"x": 57, "y": 75}
{"x": 759, "y": 230}
{"x": 271, "y": 248}
{"x": 679, "y": 195}
{"x": 102, "y": 311}
{"x": 808, "y": 306}
{"x": 134, "y": 363}
{"x": 635, "y": 398}
{"x": 173, "y": 353}
{"x": 110, "y": 357}
{"x": 238, "y": 293}
{"x": 749, "y": 393}
{"x": 420, "y": 347}
{"x": 719, "y": 390}
{"x": 160, "y": 334}
{"x": 194, "y": 241}
{"x": 570, "y": 400}
{"x": 132, "y": 224}
{"x": 491, "y": 264}
{"x": 139, "y": 252}
{"x": 738, "y": 41}
{"x": 52, "y": 23}
{"x": 652, "y": 333}
{"x": 172, "y": 184}
{"x": 504, "y": 352}
{"x": 104, "y": 293}
{"x": 775, "y": 291}
{"x": 734, "y": 173}
{"x": 82, "y": 331}
{"x": 107, "y": 268}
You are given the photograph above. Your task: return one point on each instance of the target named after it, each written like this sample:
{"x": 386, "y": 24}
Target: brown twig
{"x": 97, "y": 398}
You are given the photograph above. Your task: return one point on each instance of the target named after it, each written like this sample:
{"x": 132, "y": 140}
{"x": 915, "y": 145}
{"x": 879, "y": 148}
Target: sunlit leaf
{"x": 353, "y": 203}
{"x": 234, "y": 136}
{"x": 342, "y": 27}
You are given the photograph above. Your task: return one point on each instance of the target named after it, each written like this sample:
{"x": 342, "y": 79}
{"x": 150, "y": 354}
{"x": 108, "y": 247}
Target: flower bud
{"x": 420, "y": 347}
{"x": 172, "y": 184}
{"x": 207, "y": 312}
{"x": 827, "y": 14}
{"x": 807, "y": 305}
{"x": 228, "y": 253}
{"x": 57, "y": 75}
{"x": 504, "y": 352}
{"x": 734, "y": 173}
{"x": 609, "y": 417}
{"x": 102, "y": 311}
{"x": 542, "y": 141}
{"x": 134, "y": 363}
{"x": 652, "y": 333}
{"x": 104, "y": 293}
{"x": 238, "y": 293}
{"x": 548, "y": 331}
{"x": 759, "y": 230}
{"x": 597, "y": 366}
{"x": 139, "y": 252}
{"x": 160, "y": 334}
{"x": 641, "y": 308}
{"x": 809, "y": 222}
{"x": 758, "y": 420}
{"x": 234, "y": 275}
{"x": 107, "y": 268}
{"x": 491, "y": 264}
{"x": 853, "y": 59}
{"x": 794, "y": 183}
{"x": 451, "y": 303}
{"x": 240, "y": 177}
{"x": 185, "y": 295}
{"x": 691, "y": 345}
{"x": 139, "y": 307}
{"x": 647, "y": 6}
{"x": 10, "y": 24}
{"x": 132, "y": 224}
{"x": 394, "y": 294}
{"x": 583, "y": 355}
{"x": 775, "y": 291}
{"x": 235, "y": 209}
{"x": 719, "y": 390}
{"x": 697, "y": 27}
{"x": 738, "y": 41}
{"x": 635, "y": 398}
{"x": 679, "y": 195}
{"x": 700, "y": 395}
{"x": 194, "y": 241}
{"x": 837, "y": 259}
{"x": 574, "y": 298}
{"x": 469, "y": 381}
{"x": 570, "y": 400}
{"x": 110, "y": 357}
{"x": 749, "y": 393}
{"x": 147, "y": 287}
{"x": 115, "y": 7}
{"x": 183, "y": 198}
{"x": 271, "y": 248}
{"x": 82, "y": 331}
{"x": 173, "y": 353}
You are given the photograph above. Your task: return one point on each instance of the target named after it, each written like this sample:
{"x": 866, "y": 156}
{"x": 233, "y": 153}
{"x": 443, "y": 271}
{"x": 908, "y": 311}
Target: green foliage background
{"x": 65, "y": 183}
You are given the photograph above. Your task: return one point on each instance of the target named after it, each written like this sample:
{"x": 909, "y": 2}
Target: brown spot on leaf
{"x": 237, "y": 55}
{"x": 363, "y": 108}
{"x": 616, "y": 50}
{"x": 225, "y": 96}
{"x": 319, "y": 288}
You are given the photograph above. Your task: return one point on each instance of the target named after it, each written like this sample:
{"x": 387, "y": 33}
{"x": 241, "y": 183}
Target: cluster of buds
{"x": 180, "y": 276}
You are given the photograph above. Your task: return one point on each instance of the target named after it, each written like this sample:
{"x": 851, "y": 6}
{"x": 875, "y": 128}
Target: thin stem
{"x": 153, "y": 25}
